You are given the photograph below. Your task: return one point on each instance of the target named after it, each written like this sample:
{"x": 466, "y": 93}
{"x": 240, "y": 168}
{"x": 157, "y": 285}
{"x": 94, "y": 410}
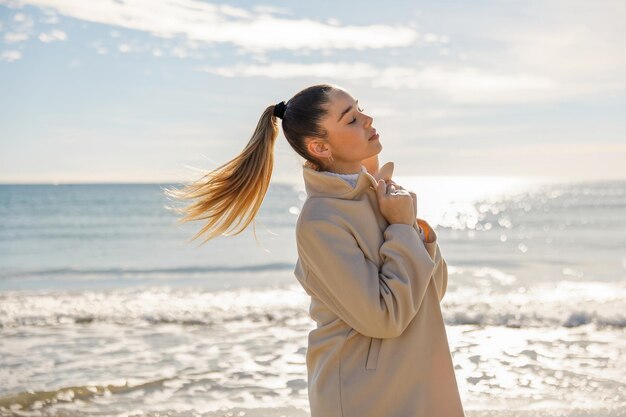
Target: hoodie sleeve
{"x": 440, "y": 275}
{"x": 376, "y": 303}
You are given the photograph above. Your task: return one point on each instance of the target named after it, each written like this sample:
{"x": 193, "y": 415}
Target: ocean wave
{"x": 29, "y": 400}
{"x": 200, "y": 307}
{"x": 521, "y": 320}
{"x": 91, "y": 273}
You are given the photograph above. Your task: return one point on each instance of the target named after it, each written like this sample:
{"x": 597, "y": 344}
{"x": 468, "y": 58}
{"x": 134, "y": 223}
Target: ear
{"x": 318, "y": 148}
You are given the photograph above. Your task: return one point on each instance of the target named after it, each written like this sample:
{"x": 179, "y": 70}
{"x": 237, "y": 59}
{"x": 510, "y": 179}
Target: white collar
{"x": 350, "y": 178}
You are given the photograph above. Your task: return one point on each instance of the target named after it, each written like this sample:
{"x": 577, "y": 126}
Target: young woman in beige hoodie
{"x": 373, "y": 270}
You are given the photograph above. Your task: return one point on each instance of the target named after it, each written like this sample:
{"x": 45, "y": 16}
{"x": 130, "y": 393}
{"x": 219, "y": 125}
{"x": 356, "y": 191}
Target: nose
{"x": 368, "y": 120}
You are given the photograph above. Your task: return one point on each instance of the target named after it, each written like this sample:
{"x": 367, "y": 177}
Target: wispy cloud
{"x": 573, "y": 41}
{"x": 20, "y": 30}
{"x": 10, "y": 55}
{"x": 21, "y": 17}
{"x": 257, "y": 30}
{"x": 458, "y": 84}
{"x": 14, "y": 37}
{"x": 293, "y": 70}
{"x": 54, "y": 35}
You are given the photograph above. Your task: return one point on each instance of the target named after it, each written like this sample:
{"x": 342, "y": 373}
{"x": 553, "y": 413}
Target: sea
{"x": 108, "y": 308}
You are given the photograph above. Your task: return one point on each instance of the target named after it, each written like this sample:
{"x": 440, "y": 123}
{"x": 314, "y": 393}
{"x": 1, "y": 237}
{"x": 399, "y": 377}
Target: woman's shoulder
{"x": 322, "y": 210}
{"x": 319, "y": 208}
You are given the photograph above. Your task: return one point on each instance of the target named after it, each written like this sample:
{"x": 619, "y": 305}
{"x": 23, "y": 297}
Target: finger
{"x": 398, "y": 186}
{"x": 381, "y": 188}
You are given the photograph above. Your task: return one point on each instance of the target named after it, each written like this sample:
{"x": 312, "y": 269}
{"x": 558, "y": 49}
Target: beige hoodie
{"x": 380, "y": 347}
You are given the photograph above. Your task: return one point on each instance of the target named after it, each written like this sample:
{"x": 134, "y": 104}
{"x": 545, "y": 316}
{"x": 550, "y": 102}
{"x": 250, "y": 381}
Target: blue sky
{"x": 143, "y": 91}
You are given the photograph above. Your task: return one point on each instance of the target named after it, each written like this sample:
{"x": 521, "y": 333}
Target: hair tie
{"x": 279, "y": 109}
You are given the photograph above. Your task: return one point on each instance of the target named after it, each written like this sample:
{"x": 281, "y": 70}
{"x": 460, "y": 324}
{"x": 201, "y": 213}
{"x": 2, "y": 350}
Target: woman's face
{"x": 349, "y": 132}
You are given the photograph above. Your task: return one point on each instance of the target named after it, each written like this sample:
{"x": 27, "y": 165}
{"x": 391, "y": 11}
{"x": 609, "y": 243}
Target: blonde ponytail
{"x": 233, "y": 192}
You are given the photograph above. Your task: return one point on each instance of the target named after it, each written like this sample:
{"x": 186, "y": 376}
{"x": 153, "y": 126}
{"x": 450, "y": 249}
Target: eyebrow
{"x": 346, "y": 111}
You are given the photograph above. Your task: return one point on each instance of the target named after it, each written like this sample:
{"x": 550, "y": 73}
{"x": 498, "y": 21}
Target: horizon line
{"x": 287, "y": 182}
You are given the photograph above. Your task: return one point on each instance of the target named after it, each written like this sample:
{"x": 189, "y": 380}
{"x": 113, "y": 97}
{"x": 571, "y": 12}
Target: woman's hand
{"x": 395, "y": 186}
{"x": 396, "y": 205}
{"x": 372, "y": 166}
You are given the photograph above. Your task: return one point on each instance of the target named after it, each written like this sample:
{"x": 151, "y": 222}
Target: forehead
{"x": 339, "y": 101}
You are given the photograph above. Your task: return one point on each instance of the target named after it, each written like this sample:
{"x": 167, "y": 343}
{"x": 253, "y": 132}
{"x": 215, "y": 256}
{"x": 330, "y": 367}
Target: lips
{"x": 373, "y": 134}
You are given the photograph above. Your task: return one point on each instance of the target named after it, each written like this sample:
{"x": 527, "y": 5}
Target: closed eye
{"x": 354, "y": 119}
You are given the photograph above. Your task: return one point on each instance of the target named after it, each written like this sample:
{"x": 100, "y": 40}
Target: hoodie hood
{"x": 320, "y": 184}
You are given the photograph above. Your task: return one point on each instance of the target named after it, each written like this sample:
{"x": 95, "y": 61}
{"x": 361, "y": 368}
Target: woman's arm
{"x": 440, "y": 274}
{"x": 375, "y": 302}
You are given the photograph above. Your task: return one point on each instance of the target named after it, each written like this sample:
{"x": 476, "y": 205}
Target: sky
{"x": 153, "y": 91}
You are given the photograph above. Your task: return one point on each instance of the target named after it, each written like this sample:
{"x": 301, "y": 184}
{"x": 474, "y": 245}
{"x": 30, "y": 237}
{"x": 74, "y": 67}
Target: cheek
{"x": 353, "y": 143}
{"x": 356, "y": 137}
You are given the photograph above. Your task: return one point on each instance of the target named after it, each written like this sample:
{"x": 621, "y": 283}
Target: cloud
{"x": 20, "y": 29}
{"x": 54, "y": 35}
{"x": 50, "y": 17}
{"x": 276, "y": 69}
{"x": 10, "y": 55}
{"x": 270, "y": 10}
{"x": 19, "y": 17}
{"x": 24, "y": 21}
{"x": 540, "y": 50}
{"x": 13, "y": 37}
{"x": 458, "y": 84}
{"x": 250, "y": 30}
{"x": 573, "y": 41}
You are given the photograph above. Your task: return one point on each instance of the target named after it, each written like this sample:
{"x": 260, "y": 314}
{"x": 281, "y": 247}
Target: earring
{"x": 330, "y": 158}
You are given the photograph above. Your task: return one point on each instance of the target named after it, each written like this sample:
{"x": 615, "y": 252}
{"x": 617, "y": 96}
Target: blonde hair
{"x": 230, "y": 196}
{"x": 235, "y": 190}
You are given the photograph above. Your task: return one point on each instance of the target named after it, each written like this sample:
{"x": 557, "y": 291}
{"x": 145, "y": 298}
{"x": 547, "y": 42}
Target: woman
{"x": 374, "y": 270}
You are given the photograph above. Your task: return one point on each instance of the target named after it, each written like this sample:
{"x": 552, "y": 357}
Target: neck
{"x": 354, "y": 168}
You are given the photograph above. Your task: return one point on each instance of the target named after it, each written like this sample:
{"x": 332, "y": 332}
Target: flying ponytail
{"x": 233, "y": 192}
{"x": 230, "y": 196}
